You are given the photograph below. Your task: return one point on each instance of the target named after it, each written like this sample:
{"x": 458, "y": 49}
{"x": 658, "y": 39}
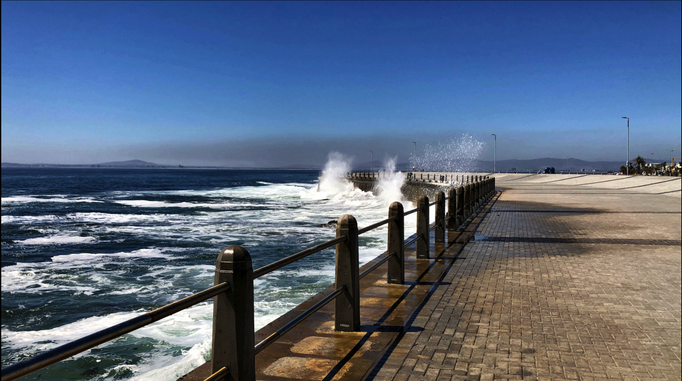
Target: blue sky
{"x": 269, "y": 84}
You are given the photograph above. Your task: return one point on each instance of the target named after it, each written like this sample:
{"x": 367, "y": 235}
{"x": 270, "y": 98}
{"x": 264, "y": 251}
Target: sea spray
{"x": 333, "y": 182}
{"x": 453, "y": 155}
{"x": 390, "y": 183}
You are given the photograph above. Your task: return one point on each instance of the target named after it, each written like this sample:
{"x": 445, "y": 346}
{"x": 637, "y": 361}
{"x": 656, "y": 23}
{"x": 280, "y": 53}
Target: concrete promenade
{"x": 567, "y": 279}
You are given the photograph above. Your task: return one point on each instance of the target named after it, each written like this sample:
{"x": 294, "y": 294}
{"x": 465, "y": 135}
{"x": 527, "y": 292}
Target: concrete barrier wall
{"x": 429, "y": 182}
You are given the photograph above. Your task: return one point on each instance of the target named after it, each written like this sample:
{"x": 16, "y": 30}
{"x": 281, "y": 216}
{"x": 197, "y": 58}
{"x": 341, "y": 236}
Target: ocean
{"x": 87, "y": 248}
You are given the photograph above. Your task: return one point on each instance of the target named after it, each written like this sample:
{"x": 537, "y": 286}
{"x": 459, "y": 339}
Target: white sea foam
{"x": 293, "y": 210}
{"x": 166, "y": 367}
{"x": 92, "y": 258}
{"x": 46, "y": 339}
{"x": 60, "y": 273}
{"x": 58, "y": 240}
{"x": 29, "y": 199}
{"x": 164, "y": 204}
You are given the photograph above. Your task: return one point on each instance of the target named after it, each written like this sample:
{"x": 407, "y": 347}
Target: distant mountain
{"x": 477, "y": 165}
{"x": 111, "y": 164}
{"x": 129, "y": 163}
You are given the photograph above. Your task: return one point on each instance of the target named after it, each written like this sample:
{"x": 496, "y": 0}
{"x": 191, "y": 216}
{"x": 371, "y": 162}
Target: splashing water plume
{"x": 390, "y": 182}
{"x": 454, "y": 155}
{"x": 333, "y": 179}
{"x": 334, "y": 185}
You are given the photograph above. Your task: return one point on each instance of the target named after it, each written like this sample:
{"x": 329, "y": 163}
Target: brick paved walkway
{"x": 560, "y": 284}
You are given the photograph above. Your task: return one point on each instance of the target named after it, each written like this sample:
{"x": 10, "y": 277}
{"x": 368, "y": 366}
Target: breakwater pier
{"x": 552, "y": 278}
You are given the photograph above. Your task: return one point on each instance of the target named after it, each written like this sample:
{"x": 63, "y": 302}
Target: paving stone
{"x": 559, "y": 284}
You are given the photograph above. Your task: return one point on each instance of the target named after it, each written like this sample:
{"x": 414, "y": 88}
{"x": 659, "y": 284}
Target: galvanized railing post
{"x": 423, "y": 227}
{"x": 347, "y": 273}
{"x": 396, "y": 239}
{"x": 452, "y": 209}
{"x": 233, "y": 338}
{"x": 439, "y": 234}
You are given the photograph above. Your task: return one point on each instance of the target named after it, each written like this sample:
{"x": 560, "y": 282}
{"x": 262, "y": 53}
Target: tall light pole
{"x": 371, "y": 163}
{"x": 415, "y": 156}
{"x": 627, "y": 165}
{"x": 495, "y": 154}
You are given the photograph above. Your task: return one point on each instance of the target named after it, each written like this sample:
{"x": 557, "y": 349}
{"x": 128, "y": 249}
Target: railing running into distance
{"x": 233, "y": 304}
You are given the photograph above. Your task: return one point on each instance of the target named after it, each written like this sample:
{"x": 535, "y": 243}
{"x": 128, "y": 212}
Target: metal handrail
{"x": 275, "y": 335}
{"x": 376, "y": 265}
{"x": 219, "y": 375}
{"x": 413, "y": 240}
{"x": 62, "y": 352}
{"x": 55, "y": 355}
{"x": 376, "y": 225}
{"x": 410, "y": 211}
{"x": 295, "y": 257}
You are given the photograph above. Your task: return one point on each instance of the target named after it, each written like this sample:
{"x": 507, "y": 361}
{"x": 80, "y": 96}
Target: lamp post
{"x": 495, "y": 154}
{"x": 371, "y": 163}
{"x": 415, "y": 156}
{"x": 627, "y": 165}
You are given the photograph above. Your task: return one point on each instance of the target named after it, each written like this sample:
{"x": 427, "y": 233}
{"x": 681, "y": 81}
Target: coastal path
{"x": 566, "y": 279}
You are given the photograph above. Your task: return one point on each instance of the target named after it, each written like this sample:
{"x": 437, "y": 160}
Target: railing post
{"x": 439, "y": 234}
{"x": 347, "y": 273}
{"x": 473, "y": 197}
{"x": 452, "y": 209}
{"x": 233, "y": 338}
{"x": 396, "y": 240}
{"x": 467, "y": 201}
{"x": 460, "y": 205}
{"x": 423, "y": 228}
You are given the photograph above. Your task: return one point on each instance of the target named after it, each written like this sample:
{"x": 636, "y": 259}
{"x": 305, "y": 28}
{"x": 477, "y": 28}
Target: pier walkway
{"x": 561, "y": 282}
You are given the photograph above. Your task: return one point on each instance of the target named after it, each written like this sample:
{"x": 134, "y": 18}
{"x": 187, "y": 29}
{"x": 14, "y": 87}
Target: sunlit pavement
{"x": 562, "y": 282}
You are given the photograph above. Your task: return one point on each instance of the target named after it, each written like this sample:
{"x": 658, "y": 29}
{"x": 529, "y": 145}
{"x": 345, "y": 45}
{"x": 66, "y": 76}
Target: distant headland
{"x": 568, "y": 164}
{"x": 140, "y": 164}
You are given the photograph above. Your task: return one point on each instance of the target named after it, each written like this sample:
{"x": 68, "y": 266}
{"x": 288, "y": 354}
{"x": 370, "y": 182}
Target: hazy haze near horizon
{"x": 278, "y": 84}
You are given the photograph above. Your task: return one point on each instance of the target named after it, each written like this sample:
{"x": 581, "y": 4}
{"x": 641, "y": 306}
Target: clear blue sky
{"x": 258, "y": 83}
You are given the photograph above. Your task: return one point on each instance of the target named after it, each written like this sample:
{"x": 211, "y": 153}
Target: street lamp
{"x": 371, "y": 163}
{"x": 495, "y": 154}
{"x": 627, "y": 165}
{"x": 415, "y": 156}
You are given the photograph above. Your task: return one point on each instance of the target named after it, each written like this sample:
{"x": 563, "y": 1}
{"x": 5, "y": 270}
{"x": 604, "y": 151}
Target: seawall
{"x": 428, "y": 183}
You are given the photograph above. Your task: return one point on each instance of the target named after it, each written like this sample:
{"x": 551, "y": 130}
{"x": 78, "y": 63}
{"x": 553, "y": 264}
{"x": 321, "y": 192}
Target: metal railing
{"x": 422, "y": 177}
{"x": 233, "y": 351}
